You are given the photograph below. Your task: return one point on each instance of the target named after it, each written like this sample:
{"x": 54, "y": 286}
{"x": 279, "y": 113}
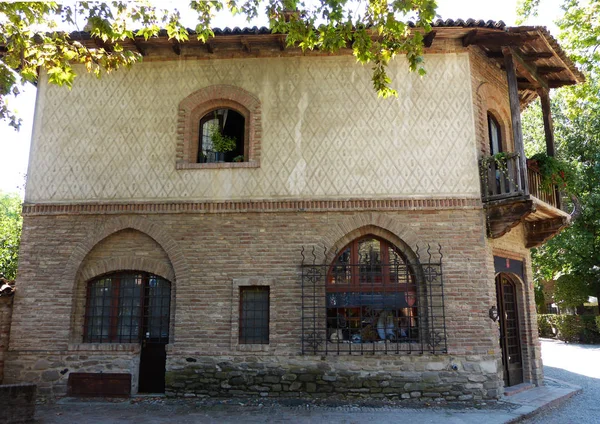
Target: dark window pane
{"x": 254, "y": 315}
{"x": 125, "y": 306}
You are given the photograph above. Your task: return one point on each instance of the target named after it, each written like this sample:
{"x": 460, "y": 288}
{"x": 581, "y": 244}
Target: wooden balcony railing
{"x": 502, "y": 179}
{"x": 536, "y": 188}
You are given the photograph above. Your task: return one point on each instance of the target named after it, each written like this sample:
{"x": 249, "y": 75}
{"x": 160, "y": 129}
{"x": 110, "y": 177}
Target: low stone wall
{"x": 429, "y": 377}
{"x": 5, "y": 320}
{"x": 17, "y": 403}
{"x": 50, "y": 370}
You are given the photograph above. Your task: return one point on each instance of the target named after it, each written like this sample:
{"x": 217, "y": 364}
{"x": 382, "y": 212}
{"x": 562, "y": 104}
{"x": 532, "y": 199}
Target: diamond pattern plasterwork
{"x": 325, "y": 133}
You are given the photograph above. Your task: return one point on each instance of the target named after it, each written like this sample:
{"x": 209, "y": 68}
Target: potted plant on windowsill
{"x": 221, "y": 143}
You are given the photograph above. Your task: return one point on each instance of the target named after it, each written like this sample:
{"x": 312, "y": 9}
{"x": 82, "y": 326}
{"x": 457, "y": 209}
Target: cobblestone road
{"x": 575, "y": 364}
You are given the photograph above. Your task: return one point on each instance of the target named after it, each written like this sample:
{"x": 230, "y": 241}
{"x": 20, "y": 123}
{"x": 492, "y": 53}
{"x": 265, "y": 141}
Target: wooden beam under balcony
{"x": 539, "y": 232}
{"x": 502, "y": 217}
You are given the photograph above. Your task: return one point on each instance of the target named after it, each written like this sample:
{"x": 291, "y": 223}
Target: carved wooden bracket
{"x": 539, "y": 232}
{"x": 502, "y": 218}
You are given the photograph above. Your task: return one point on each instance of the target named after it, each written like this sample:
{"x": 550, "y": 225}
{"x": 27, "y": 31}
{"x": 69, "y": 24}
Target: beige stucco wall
{"x": 325, "y": 133}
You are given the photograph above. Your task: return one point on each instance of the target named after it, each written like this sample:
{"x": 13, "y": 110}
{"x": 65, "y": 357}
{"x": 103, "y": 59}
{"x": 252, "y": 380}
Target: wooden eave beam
{"x": 527, "y": 57}
{"x": 282, "y": 42}
{"x": 498, "y": 39}
{"x": 469, "y": 38}
{"x": 246, "y": 44}
{"x": 543, "y": 70}
{"x": 176, "y": 47}
{"x": 103, "y": 45}
{"x": 138, "y": 47}
{"x": 548, "y": 46}
{"x": 528, "y": 70}
{"x": 428, "y": 39}
{"x": 211, "y": 46}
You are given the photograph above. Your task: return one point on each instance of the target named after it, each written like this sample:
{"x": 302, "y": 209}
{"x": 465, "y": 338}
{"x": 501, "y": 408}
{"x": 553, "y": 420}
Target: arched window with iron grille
{"x": 377, "y": 300}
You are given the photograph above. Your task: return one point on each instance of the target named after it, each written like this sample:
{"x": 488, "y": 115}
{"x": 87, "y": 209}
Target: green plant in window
{"x": 239, "y": 158}
{"x": 221, "y": 143}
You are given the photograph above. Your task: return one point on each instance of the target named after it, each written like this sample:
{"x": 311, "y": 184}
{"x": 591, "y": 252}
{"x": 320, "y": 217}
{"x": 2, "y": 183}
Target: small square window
{"x": 254, "y": 315}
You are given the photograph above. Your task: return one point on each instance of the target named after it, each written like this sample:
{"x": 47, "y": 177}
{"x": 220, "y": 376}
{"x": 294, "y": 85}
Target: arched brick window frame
{"x": 205, "y": 100}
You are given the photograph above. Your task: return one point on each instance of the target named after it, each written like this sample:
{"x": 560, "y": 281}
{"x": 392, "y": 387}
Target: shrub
{"x": 590, "y": 333}
{"x": 578, "y": 328}
{"x": 546, "y": 325}
{"x": 598, "y": 323}
{"x": 569, "y": 328}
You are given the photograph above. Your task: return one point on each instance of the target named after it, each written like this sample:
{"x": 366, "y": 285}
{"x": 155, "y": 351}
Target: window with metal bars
{"x": 371, "y": 294}
{"x": 373, "y": 299}
{"x": 254, "y": 315}
{"x": 126, "y": 307}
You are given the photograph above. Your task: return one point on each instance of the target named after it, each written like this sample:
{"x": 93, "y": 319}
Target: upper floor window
{"x": 221, "y": 137}
{"x": 219, "y": 127}
{"x": 495, "y": 135}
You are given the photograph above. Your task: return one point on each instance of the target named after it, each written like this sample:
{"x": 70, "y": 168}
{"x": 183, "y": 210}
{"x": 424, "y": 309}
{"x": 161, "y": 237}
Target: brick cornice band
{"x": 253, "y": 206}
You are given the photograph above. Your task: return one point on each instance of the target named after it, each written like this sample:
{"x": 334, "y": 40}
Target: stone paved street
{"x": 575, "y": 364}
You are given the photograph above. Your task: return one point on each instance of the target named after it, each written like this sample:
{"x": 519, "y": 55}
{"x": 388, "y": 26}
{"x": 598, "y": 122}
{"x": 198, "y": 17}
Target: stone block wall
{"x": 5, "y": 320}
{"x": 49, "y": 369}
{"x": 18, "y": 403}
{"x": 426, "y": 377}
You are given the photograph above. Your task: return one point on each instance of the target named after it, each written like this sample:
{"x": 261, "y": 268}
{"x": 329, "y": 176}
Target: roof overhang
{"x": 540, "y": 61}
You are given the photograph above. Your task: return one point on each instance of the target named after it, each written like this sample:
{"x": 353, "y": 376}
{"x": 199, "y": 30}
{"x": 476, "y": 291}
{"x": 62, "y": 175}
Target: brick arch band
{"x": 384, "y": 226}
{"x": 174, "y": 253}
{"x": 199, "y": 103}
{"x": 76, "y": 272}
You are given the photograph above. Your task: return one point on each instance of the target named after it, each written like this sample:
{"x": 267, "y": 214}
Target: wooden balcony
{"x": 512, "y": 195}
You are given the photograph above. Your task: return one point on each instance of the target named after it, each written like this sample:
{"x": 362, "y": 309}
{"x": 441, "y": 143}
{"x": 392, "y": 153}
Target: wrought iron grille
{"x": 254, "y": 315}
{"x": 373, "y": 300}
{"x": 127, "y": 307}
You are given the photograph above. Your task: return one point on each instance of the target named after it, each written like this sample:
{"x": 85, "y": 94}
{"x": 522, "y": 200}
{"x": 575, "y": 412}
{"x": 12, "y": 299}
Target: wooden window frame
{"x": 492, "y": 118}
{"x": 116, "y": 300}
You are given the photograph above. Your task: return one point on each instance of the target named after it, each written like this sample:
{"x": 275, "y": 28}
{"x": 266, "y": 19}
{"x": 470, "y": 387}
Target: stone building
{"x": 343, "y": 245}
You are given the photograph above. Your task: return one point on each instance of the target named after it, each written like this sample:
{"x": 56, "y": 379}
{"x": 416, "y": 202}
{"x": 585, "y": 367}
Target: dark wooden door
{"x": 510, "y": 339}
{"x": 155, "y": 331}
{"x": 152, "y": 368}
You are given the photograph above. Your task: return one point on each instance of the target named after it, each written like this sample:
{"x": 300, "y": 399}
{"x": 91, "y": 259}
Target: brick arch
{"x": 199, "y": 103}
{"x": 175, "y": 254}
{"x": 75, "y": 271}
{"x": 384, "y": 226}
{"x": 127, "y": 262}
{"x": 492, "y": 100}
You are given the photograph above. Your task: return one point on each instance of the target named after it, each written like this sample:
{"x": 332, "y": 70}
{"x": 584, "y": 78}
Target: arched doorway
{"x": 510, "y": 336}
{"x": 132, "y": 307}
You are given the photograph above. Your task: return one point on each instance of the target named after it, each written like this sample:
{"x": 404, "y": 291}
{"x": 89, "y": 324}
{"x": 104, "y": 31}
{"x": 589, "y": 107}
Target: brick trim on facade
{"x": 201, "y": 102}
{"x": 253, "y": 206}
{"x": 160, "y": 235}
{"x": 121, "y": 263}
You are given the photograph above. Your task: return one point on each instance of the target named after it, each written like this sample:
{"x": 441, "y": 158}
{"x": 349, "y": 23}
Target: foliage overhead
{"x": 31, "y": 36}
{"x": 10, "y": 233}
{"x": 573, "y": 257}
